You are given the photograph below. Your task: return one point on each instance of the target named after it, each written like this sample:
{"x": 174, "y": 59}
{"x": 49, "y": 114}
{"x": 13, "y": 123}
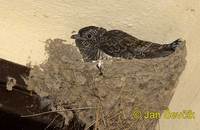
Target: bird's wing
{"x": 117, "y": 43}
{"x": 120, "y": 44}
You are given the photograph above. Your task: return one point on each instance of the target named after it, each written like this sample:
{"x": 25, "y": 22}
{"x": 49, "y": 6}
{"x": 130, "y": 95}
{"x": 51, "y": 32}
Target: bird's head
{"x": 88, "y": 36}
{"x": 88, "y": 39}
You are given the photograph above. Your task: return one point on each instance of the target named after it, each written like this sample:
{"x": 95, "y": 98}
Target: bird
{"x": 97, "y": 43}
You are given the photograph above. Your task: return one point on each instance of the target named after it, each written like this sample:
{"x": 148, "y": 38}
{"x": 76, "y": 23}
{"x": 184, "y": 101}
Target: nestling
{"x": 93, "y": 42}
{"x": 96, "y": 43}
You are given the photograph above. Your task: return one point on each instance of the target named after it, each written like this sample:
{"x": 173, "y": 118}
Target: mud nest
{"x": 108, "y": 102}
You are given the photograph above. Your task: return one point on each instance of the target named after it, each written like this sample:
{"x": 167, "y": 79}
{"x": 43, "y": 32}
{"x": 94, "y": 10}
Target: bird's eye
{"x": 89, "y": 36}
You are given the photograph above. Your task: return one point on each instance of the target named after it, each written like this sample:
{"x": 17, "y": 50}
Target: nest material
{"x": 126, "y": 85}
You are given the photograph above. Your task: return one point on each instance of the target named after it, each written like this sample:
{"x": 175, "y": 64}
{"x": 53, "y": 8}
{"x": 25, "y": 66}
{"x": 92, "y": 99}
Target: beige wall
{"x": 24, "y": 24}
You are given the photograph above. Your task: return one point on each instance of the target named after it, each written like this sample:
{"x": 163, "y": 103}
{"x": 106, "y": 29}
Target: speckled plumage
{"x": 94, "y": 41}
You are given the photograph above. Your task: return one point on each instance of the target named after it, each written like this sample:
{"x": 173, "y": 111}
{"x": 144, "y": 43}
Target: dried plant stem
{"x": 51, "y": 122}
{"x": 90, "y": 125}
{"x": 44, "y": 113}
{"x": 97, "y": 119}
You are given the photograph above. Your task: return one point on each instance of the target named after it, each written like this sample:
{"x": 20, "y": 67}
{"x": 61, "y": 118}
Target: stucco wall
{"x": 24, "y": 24}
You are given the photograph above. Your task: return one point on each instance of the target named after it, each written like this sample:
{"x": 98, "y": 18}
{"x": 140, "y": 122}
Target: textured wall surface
{"x": 25, "y": 24}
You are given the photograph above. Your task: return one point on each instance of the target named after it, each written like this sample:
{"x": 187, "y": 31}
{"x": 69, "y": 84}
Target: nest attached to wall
{"x": 111, "y": 99}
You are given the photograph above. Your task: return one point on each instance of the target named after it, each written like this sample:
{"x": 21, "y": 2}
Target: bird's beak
{"x": 77, "y": 36}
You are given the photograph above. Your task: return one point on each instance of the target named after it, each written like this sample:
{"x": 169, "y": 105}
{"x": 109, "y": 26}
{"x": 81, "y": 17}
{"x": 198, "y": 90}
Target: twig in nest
{"x": 51, "y": 122}
{"x": 96, "y": 122}
{"x": 91, "y": 125}
{"x": 44, "y": 113}
{"x": 97, "y": 119}
{"x": 112, "y": 117}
